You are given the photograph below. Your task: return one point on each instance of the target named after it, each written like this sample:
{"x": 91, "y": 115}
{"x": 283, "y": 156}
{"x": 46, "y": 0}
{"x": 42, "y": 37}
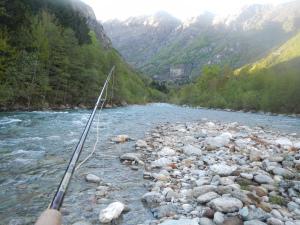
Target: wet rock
{"x": 92, "y": 178}
{"x": 131, "y": 157}
{"x": 223, "y": 169}
{"x": 181, "y": 222}
{"x": 192, "y": 150}
{"x": 120, "y": 138}
{"x": 263, "y": 179}
{"x": 207, "y": 197}
{"x": 219, "y": 218}
{"x": 112, "y": 211}
{"x": 226, "y": 204}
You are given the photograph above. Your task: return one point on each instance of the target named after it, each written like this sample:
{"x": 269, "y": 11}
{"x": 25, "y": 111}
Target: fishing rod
{"x": 53, "y": 211}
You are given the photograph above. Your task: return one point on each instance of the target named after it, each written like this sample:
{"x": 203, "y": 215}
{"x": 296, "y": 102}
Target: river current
{"x": 35, "y": 148}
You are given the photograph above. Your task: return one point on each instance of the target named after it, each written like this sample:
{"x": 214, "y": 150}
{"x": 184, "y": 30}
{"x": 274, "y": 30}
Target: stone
{"x": 197, "y": 191}
{"x": 233, "y": 221}
{"x": 120, "y": 138}
{"x": 165, "y": 211}
{"x": 274, "y": 221}
{"x": 131, "y": 157}
{"x": 161, "y": 162}
{"x": 248, "y": 176}
{"x": 92, "y": 178}
{"x": 141, "y": 144}
{"x": 218, "y": 141}
{"x": 205, "y": 221}
{"x": 254, "y": 222}
{"x": 283, "y": 172}
{"x": 292, "y": 206}
{"x": 111, "y": 212}
{"x": 152, "y": 198}
{"x": 192, "y": 150}
{"x": 226, "y": 204}
{"x": 253, "y": 213}
{"x": 219, "y": 218}
{"x": 167, "y": 151}
{"x": 284, "y": 142}
{"x": 208, "y": 212}
{"x": 222, "y": 169}
{"x": 255, "y": 155}
{"x": 187, "y": 208}
{"x": 263, "y": 179}
{"x": 260, "y": 191}
{"x": 180, "y": 222}
{"x": 207, "y": 197}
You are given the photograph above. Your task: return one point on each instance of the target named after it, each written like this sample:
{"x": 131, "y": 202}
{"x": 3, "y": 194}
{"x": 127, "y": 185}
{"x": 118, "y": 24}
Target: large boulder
{"x": 112, "y": 211}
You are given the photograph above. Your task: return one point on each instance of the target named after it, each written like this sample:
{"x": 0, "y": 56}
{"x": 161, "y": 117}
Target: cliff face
{"x": 93, "y": 24}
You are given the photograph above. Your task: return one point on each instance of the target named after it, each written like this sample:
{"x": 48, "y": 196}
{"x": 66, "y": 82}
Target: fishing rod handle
{"x": 49, "y": 217}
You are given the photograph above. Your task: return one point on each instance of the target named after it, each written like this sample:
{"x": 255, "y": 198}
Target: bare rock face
{"x": 86, "y": 11}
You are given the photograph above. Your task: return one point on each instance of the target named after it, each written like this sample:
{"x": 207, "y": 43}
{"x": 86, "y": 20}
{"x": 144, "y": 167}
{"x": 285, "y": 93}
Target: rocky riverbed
{"x": 219, "y": 173}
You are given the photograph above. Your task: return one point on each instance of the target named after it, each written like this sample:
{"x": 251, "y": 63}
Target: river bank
{"x": 36, "y": 146}
{"x": 220, "y": 173}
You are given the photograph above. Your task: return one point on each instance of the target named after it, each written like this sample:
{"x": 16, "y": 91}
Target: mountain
{"x": 55, "y": 54}
{"x": 141, "y": 38}
{"x": 269, "y": 84}
{"x": 171, "y": 50}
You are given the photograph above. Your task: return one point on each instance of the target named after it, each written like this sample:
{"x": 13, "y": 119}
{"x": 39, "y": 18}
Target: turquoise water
{"x": 35, "y": 148}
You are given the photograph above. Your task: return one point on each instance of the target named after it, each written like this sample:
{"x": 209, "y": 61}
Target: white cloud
{"x": 183, "y": 9}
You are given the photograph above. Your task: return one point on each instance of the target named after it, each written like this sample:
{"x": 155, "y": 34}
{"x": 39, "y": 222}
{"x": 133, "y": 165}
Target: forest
{"x": 50, "y": 59}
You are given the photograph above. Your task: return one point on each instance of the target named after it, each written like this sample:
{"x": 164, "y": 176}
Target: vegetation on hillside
{"x": 49, "y": 57}
{"x": 272, "y": 84}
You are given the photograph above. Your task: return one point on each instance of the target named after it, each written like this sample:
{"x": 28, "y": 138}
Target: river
{"x": 35, "y": 148}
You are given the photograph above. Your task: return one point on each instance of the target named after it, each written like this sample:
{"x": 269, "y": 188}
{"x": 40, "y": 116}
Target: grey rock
{"x": 192, "y": 150}
{"x": 223, "y": 169}
{"x": 152, "y": 198}
{"x": 263, "y": 179}
{"x": 219, "y": 218}
{"x": 283, "y": 172}
{"x": 205, "y": 221}
{"x": 180, "y": 222}
{"x": 207, "y": 197}
{"x": 197, "y": 191}
{"x": 253, "y": 213}
{"x": 274, "y": 221}
{"x": 81, "y": 223}
{"x": 131, "y": 157}
{"x": 165, "y": 211}
{"x": 292, "y": 206}
{"x": 254, "y": 222}
{"x": 92, "y": 178}
{"x": 226, "y": 204}
{"x": 248, "y": 176}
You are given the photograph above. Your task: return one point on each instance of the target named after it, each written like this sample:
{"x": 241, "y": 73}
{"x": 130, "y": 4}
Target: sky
{"x": 182, "y": 9}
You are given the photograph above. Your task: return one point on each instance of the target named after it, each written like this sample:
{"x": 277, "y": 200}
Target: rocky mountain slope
{"x": 168, "y": 49}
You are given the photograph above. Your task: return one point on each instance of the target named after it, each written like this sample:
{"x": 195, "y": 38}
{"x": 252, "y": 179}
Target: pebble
{"x": 226, "y": 204}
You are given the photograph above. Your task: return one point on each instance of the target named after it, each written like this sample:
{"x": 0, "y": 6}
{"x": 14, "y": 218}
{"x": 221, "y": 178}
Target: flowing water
{"x": 35, "y": 148}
